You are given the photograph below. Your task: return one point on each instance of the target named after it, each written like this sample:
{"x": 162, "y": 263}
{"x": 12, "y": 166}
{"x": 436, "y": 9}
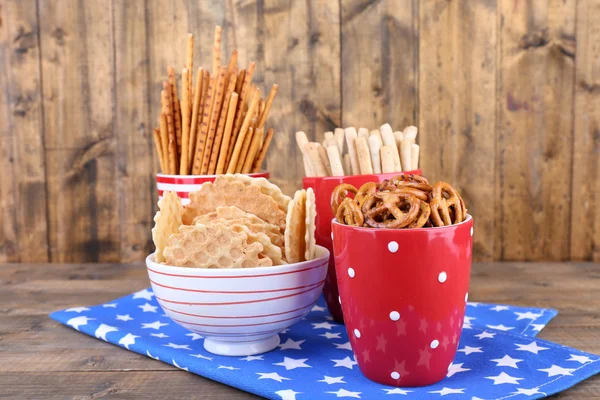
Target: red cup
{"x": 323, "y": 187}
{"x": 404, "y": 294}
{"x": 183, "y": 185}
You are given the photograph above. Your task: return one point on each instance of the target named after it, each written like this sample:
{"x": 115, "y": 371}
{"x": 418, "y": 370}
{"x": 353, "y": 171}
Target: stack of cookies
{"x": 235, "y": 222}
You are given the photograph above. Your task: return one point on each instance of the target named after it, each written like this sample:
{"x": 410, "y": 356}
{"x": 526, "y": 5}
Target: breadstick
{"x": 195, "y": 115}
{"x": 363, "y": 132}
{"x": 364, "y": 155}
{"x": 263, "y": 151}
{"x": 240, "y": 81}
{"x": 410, "y": 132}
{"x": 347, "y": 164}
{"x": 308, "y": 171}
{"x": 156, "y": 135}
{"x": 374, "y": 147}
{"x": 254, "y": 147}
{"x": 189, "y": 64}
{"x": 398, "y": 136}
{"x": 387, "y": 135}
{"x": 176, "y": 108}
{"x": 334, "y": 160}
{"x": 324, "y": 158}
{"x": 164, "y": 136}
{"x": 302, "y": 140}
{"x": 339, "y": 138}
{"x": 185, "y": 122}
{"x": 170, "y": 129}
{"x": 315, "y": 160}
{"x": 265, "y": 113}
{"x": 351, "y": 136}
{"x": 233, "y": 63}
{"x": 388, "y": 162}
{"x": 405, "y": 154}
{"x": 201, "y": 137}
{"x": 212, "y": 166}
{"x": 328, "y": 136}
{"x": 242, "y": 136}
{"x": 214, "y": 119}
{"x": 245, "y": 149}
{"x": 414, "y": 155}
{"x": 227, "y": 134}
{"x": 244, "y": 97}
{"x": 217, "y": 50}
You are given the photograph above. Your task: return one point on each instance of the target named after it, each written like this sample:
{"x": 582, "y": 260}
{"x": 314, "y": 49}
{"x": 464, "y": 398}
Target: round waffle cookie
{"x": 265, "y": 186}
{"x": 295, "y": 242}
{"x": 167, "y": 221}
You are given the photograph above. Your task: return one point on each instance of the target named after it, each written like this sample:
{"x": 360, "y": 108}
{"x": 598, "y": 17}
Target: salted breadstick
{"x": 388, "y": 162}
{"x": 156, "y": 136}
{"x": 351, "y": 136}
{"x": 195, "y": 115}
{"x": 338, "y": 134}
{"x": 164, "y": 136}
{"x": 254, "y": 148}
{"x": 302, "y": 140}
{"x": 410, "y": 132}
{"x": 324, "y": 158}
{"x": 235, "y": 155}
{"x": 315, "y": 160}
{"x": 170, "y": 129}
{"x": 176, "y": 108}
{"x": 185, "y": 123}
{"x": 364, "y": 155}
{"x": 347, "y": 164}
{"x": 245, "y": 96}
{"x": 374, "y": 147}
{"x": 240, "y": 81}
{"x": 363, "y": 132}
{"x": 217, "y": 50}
{"x": 265, "y": 112}
{"x": 334, "y": 160}
{"x": 202, "y": 134}
{"x": 398, "y": 136}
{"x": 212, "y": 165}
{"x": 227, "y": 134}
{"x": 189, "y": 64}
{"x": 232, "y": 62}
{"x": 387, "y": 135}
{"x": 405, "y": 154}
{"x": 263, "y": 151}
{"x": 330, "y": 141}
{"x": 214, "y": 119}
{"x": 414, "y": 155}
{"x": 328, "y": 136}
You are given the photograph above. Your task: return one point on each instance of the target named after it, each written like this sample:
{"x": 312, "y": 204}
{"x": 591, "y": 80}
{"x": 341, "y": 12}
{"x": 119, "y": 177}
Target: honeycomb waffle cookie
{"x": 295, "y": 243}
{"x": 265, "y": 186}
{"x": 311, "y": 215}
{"x": 215, "y": 245}
{"x": 167, "y": 221}
{"x": 269, "y": 249}
{"x": 248, "y": 198}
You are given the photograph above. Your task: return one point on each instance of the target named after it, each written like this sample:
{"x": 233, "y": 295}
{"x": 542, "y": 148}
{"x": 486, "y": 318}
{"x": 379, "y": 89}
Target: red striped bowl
{"x": 183, "y": 185}
{"x": 239, "y": 311}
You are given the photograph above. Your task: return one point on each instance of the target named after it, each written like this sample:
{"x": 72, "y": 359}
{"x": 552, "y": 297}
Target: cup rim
{"x": 417, "y": 171}
{"x": 370, "y": 229}
{"x": 321, "y": 256}
{"x": 252, "y": 174}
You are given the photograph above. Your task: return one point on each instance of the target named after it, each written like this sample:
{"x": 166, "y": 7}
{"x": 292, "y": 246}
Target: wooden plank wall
{"x": 505, "y": 94}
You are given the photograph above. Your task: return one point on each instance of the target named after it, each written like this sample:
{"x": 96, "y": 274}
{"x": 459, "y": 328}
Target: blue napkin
{"x": 498, "y": 356}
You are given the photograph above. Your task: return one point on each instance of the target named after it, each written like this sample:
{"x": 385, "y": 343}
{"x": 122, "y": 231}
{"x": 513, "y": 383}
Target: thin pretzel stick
{"x": 338, "y": 134}
{"x": 171, "y": 130}
{"x": 324, "y": 158}
{"x": 387, "y": 159}
{"x": 240, "y": 138}
{"x": 347, "y": 164}
{"x": 245, "y": 149}
{"x": 414, "y": 155}
{"x": 214, "y": 119}
{"x": 206, "y": 113}
{"x": 351, "y": 136}
{"x": 227, "y": 134}
{"x": 389, "y": 140}
{"x": 268, "y": 104}
{"x": 374, "y": 147}
{"x": 189, "y": 64}
{"x": 254, "y": 148}
{"x": 315, "y": 160}
{"x": 363, "y": 132}
{"x": 240, "y": 81}
{"x": 244, "y": 97}
{"x": 364, "y": 155}
{"x": 334, "y": 160}
{"x": 185, "y": 122}
{"x": 233, "y": 62}
{"x": 263, "y": 151}
{"x": 217, "y": 50}
{"x": 164, "y": 133}
{"x": 156, "y": 136}
{"x": 176, "y": 108}
{"x": 212, "y": 166}
{"x": 195, "y": 115}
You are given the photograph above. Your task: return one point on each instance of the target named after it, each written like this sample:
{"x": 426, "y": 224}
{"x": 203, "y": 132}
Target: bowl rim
{"x": 321, "y": 258}
{"x": 432, "y": 228}
{"x": 252, "y": 174}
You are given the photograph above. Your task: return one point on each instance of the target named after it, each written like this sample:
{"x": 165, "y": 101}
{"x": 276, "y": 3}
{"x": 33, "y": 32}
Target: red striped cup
{"x": 183, "y": 185}
{"x": 239, "y": 311}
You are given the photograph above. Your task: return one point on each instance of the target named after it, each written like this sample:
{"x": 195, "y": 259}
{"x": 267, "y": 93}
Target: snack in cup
{"x": 404, "y": 299}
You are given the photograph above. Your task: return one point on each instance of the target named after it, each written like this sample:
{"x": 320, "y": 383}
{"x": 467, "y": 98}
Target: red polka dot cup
{"x": 403, "y": 294}
{"x": 183, "y": 185}
{"x": 323, "y": 187}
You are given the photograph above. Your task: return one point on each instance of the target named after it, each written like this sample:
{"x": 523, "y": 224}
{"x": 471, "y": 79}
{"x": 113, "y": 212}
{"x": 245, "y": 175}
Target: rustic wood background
{"x": 506, "y": 94}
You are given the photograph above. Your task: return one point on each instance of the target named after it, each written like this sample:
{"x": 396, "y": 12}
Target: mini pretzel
{"x": 411, "y": 178}
{"x": 444, "y": 202}
{"x": 339, "y": 194}
{"x": 349, "y": 213}
{"x": 423, "y": 218}
{"x": 365, "y": 191}
{"x": 414, "y": 181}
{"x": 376, "y": 206}
{"x": 419, "y": 194}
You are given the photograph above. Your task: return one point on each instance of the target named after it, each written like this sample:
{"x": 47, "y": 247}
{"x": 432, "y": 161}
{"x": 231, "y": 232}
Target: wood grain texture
{"x": 43, "y": 359}
{"x": 535, "y": 95}
{"x": 585, "y": 215}
{"x": 24, "y": 228}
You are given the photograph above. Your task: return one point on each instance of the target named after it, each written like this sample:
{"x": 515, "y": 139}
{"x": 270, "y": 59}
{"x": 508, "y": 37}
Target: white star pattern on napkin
{"x": 500, "y": 327}
{"x": 346, "y": 393}
{"x": 556, "y": 370}
{"x": 331, "y": 380}
{"x": 143, "y": 294}
{"x": 346, "y": 362}
{"x": 507, "y": 361}
{"x": 128, "y": 340}
{"x": 104, "y": 329}
{"x": 288, "y": 394}
{"x": 445, "y": 391}
{"x": 272, "y": 375}
{"x": 456, "y": 368}
{"x": 531, "y": 347}
{"x": 125, "y": 317}
{"x": 154, "y": 325}
{"x": 77, "y": 309}
{"x": 580, "y": 359}
{"x": 504, "y": 378}
{"x": 397, "y": 391}
{"x": 76, "y": 322}
{"x": 177, "y": 346}
{"x": 485, "y": 335}
{"x": 468, "y": 350}
{"x": 148, "y": 308}
{"x": 291, "y": 345}
{"x": 290, "y": 363}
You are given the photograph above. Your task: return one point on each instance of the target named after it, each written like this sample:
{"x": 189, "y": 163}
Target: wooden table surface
{"x": 41, "y": 359}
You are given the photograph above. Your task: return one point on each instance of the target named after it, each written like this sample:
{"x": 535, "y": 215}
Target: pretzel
{"x": 414, "y": 181}
{"x": 447, "y": 207}
{"x": 423, "y": 218}
{"x": 349, "y": 213}
{"x": 365, "y": 190}
{"x": 419, "y": 194}
{"x": 339, "y": 194}
{"x": 375, "y": 208}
